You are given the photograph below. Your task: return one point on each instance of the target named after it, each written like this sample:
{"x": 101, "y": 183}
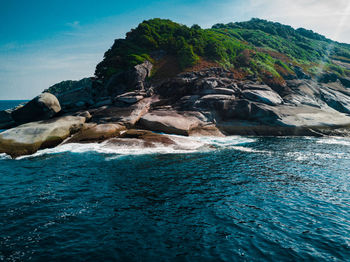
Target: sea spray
{"x": 183, "y": 145}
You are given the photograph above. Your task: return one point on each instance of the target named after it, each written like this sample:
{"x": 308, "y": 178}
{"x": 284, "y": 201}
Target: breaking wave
{"x": 334, "y": 141}
{"x": 182, "y": 145}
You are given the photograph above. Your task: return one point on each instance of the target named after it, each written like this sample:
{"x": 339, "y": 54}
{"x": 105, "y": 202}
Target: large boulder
{"x": 336, "y": 100}
{"x": 170, "y": 122}
{"x": 312, "y": 117}
{"x": 42, "y": 107}
{"x": 95, "y": 133}
{"x": 268, "y": 97}
{"x": 28, "y": 138}
{"x": 130, "y": 80}
{"x": 287, "y": 121}
{"x": 126, "y": 116}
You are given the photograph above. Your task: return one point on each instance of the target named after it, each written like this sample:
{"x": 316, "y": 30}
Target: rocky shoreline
{"x": 131, "y": 107}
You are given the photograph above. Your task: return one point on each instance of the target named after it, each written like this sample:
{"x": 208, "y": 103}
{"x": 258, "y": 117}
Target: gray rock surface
{"x": 41, "y": 107}
{"x": 133, "y": 79}
{"x": 171, "y": 122}
{"x": 95, "y": 133}
{"x": 75, "y": 99}
{"x": 129, "y": 97}
{"x": 264, "y": 96}
{"x": 28, "y": 138}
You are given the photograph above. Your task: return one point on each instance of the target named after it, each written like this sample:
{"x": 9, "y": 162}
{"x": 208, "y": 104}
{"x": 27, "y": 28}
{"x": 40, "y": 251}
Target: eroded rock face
{"x": 268, "y": 97}
{"x": 28, "y": 138}
{"x": 170, "y": 122}
{"x": 95, "y": 133}
{"x": 127, "y": 116}
{"x": 41, "y": 107}
{"x": 129, "y": 97}
{"x": 131, "y": 80}
{"x": 76, "y": 99}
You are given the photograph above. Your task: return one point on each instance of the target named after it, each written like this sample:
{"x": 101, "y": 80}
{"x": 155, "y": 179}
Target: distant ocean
{"x": 7, "y": 104}
{"x": 241, "y": 199}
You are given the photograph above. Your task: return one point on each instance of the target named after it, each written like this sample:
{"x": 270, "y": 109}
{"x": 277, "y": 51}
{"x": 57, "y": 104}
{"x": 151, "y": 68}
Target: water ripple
{"x": 246, "y": 199}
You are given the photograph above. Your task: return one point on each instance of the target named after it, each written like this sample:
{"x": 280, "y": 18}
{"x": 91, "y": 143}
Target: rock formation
{"x": 133, "y": 102}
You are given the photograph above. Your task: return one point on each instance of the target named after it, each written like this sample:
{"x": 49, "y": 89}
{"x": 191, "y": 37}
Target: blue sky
{"x": 45, "y": 42}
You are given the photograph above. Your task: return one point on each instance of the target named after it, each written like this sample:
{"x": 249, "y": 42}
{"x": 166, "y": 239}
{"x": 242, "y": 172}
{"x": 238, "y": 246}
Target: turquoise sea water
{"x": 241, "y": 199}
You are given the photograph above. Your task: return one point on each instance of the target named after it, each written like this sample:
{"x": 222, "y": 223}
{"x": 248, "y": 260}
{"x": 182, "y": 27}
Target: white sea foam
{"x": 301, "y": 156}
{"x": 249, "y": 150}
{"x": 224, "y": 142}
{"x": 334, "y": 141}
{"x": 4, "y": 156}
{"x": 183, "y": 145}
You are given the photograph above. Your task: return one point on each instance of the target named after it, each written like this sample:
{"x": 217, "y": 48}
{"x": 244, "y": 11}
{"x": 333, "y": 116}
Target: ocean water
{"x": 239, "y": 199}
{"x": 8, "y": 104}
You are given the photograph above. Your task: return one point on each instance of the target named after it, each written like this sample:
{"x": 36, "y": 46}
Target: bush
{"x": 187, "y": 57}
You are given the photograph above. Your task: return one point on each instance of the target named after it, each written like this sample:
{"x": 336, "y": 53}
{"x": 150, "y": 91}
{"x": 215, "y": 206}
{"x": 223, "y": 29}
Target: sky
{"x": 45, "y": 42}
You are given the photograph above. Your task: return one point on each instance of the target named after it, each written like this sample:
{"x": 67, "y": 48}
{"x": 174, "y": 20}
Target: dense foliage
{"x": 258, "y": 47}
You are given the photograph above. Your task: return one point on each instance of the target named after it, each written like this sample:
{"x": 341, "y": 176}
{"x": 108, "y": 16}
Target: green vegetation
{"x": 258, "y": 47}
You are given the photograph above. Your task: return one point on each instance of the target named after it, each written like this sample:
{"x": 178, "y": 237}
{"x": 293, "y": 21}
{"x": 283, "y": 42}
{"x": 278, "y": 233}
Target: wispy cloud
{"x": 325, "y": 17}
{"x": 75, "y": 24}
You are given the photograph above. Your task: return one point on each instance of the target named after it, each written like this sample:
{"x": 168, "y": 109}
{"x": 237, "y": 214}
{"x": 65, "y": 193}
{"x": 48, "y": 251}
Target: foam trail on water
{"x": 248, "y": 149}
{"x": 225, "y": 142}
{"x": 4, "y": 156}
{"x": 334, "y": 141}
{"x": 183, "y": 145}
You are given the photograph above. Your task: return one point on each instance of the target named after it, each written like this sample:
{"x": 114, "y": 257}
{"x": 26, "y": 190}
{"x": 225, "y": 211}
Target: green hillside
{"x": 269, "y": 51}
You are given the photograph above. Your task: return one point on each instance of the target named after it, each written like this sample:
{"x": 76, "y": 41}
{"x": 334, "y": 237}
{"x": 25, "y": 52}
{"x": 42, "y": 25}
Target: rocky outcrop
{"x": 41, "y": 107}
{"x": 265, "y": 96}
{"x": 209, "y": 102}
{"x": 129, "y": 97}
{"x": 95, "y": 133}
{"x": 133, "y": 79}
{"x": 127, "y": 115}
{"x": 76, "y": 99}
{"x": 170, "y": 122}
{"x": 28, "y": 138}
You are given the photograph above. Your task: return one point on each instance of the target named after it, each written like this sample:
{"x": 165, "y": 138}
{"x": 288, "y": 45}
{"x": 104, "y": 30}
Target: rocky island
{"x": 255, "y": 78}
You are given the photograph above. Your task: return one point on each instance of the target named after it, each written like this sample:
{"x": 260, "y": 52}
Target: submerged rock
{"x": 141, "y": 139}
{"x": 148, "y": 136}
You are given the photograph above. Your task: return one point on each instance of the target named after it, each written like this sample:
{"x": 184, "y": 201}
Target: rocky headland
{"x": 144, "y": 102}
